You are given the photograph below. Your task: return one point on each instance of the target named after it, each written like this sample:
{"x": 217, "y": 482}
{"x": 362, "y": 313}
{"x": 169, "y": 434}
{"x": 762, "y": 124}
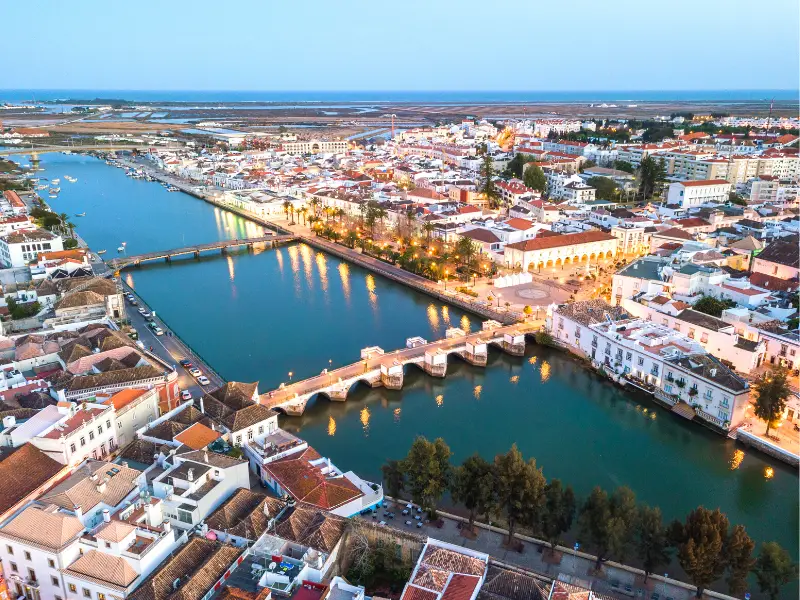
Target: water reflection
{"x": 294, "y": 259}
{"x": 769, "y": 473}
{"x": 279, "y": 259}
{"x": 736, "y": 459}
{"x": 514, "y": 379}
{"x": 465, "y": 324}
{"x": 446, "y": 315}
{"x": 305, "y": 255}
{"x": 373, "y": 297}
{"x": 545, "y": 371}
{"x": 231, "y": 268}
{"x": 344, "y": 274}
{"x": 331, "y": 426}
{"x": 322, "y": 267}
{"x": 396, "y": 415}
{"x": 439, "y": 400}
{"x": 433, "y": 317}
{"x": 532, "y": 360}
{"x": 364, "y": 418}
{"x": 129, "y": 280}
{"x": 477, "y": 391}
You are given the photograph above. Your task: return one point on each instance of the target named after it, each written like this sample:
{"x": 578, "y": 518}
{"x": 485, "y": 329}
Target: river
{"x": 259, "y": 316}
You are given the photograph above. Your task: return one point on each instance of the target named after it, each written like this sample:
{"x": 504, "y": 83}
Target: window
{"x": 87, "y": 593}
{"x": 724, "y": 401}
{"x": 57, "y": 598}
{"x": 249, "y": 434}
{"x": 10, "y": 550}
{"x": 101, "y": 596}
{"x": 238, "y": 440}
{"x": 31, "y": 574}
{"x": 54, "y": 580}
{"x": 709, "y": 393}
{"x": 654, "y": 371}
{"x": 99, "y": 430}
{"x": 629, "y": 356}
{"x": 640, "y": 361}
{"x": 72, "y": 587}
{"x": 72, "y": 447}
{"x": 691, "y": 333}
{"x": 184, "y": 516}
{"x": 784, "y": 348}
{"x": 260, "y": 429}
{"x": 91, "y": 435}
{"x": 51, "y": 563}
{"x": 108, "y": 424}
{"x": 664, "y": 321}
{"x": 723, "y": 415}
{"x": 668, "y": 388}
{"x": 83, "y": 441}
{"x": 703, "y": 338}
{"x": 27, "y": 555}
{"x": 594, "y": 341}
{"x": 14, "y": 567}
{"x": 108, "y": 544}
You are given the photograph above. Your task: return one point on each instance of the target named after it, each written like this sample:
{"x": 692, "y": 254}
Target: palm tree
{"x": 339, "y": 212}
{"x": 314, "y": 205}
{"x": 428, "y": 229}
{"x": 63, "y": 217}
{"x": 302, "y": 212}
{"x": 286, "y": 206}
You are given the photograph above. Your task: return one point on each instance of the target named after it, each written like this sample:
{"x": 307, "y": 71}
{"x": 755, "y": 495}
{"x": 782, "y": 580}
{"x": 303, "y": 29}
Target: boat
{"x": 42, "y": 187}
{"x": 121, "y": 249}
{"x": 55, "y": 181}
{"x": 83, "y": 214}
{"x": 101, "y": 252}
{"x": 172, "y": 188}
{"x": 55, "y": 190}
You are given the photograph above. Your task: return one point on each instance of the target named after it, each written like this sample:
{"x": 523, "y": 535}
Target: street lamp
{"x": 290, "y": 376}
{"x": 446, "y": 273}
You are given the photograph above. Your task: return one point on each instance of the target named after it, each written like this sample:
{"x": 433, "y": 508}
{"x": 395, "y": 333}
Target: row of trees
{"x": 614, "y": 525}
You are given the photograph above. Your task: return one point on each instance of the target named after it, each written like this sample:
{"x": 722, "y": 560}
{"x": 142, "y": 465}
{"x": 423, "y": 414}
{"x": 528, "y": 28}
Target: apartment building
{"x": 18, "y": 248}
{"x": 314, "y": 146}
{"x": 85, "y": 430}
{"x": 674, "y": 367}
{"x": 693, "y": 194}
{"x": 560, "y": 249}
{"x": 695, "y": 165}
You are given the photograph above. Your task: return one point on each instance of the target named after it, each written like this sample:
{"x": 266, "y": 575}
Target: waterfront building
{"x": 235, "y": 406}
{"x": 674, "y": 368}
{"x": 446, "y": 571}
{"x": 289, "y": 466}
{"x": 558, "y": 250}
{"x": 133, "y": 409}
{"x": 18, "y": 248}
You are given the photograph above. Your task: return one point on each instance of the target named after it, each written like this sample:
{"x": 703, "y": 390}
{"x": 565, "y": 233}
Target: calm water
{"x": 257, "y": 316}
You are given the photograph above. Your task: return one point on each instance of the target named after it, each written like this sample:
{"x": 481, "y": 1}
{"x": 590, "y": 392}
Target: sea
{"x": 15, "y": 96}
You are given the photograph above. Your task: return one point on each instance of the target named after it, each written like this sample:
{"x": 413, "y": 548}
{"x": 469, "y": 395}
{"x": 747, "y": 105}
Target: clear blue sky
{"x": 406, "y": 45}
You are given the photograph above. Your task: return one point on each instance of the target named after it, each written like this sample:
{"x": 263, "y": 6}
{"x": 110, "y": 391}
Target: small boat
{"x": 172, "y": 188}
{"x": 101, "y": 252}
{"x": 55, "y": 181}
{"x": 55, "y": 190}
{"x": 42, "y": 187}
{"x": 83, "y": 214}
{"x": 121, "y": 249}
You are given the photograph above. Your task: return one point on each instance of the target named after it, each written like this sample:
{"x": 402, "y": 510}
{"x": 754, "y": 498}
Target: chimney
{"x": 78, "y": 512}
{"x": 101, "y": 487}
{"x": 191, "y": 475}
{"x": 125, "y": 464}
{"x": 106, "y": 516}
{"x": 205, "y": 456}
{"x": 202, "y": 407}
{"x": 166, "y": 526}
{"x": 266, "y": 508}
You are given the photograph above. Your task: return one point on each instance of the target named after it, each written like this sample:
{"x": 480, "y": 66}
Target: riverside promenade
{"x": 479, "y": 307}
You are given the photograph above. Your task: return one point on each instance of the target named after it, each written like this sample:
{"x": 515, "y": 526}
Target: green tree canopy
{"x": 738, "y": 552}
{"x": 394, "y": 480}
{"x": 701, "y": 547}
{"x": 488, "y": 187}
{"x": 652, "y": 542}
{"x": 712, "y": 306}
{"x": 770, "y": 391}
{"x": 559, "y": 510}
{"x": 534, "y": 178}
{"x": 606, "y": 188}
{"x": 773, "y": 569}
{"x": 606, "y": 523}
{"x": 520, "y": 490}
{"x": 427, "y": 470}
{"x": 515, "y": 165}
{"x": 651, "y": 172}
{"x": 473, "y": 486}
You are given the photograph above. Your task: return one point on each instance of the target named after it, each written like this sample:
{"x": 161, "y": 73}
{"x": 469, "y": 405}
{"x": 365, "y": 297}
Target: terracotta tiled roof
{"x": 247, "y": 417}
{"x": 243, "y": 514}
{"x": 197, "y": 436}
{"x": 102, "y": 567}
{"x": 460, "y": 587}
{"x": 559, "y": 241}
{"x": 114, "y": 531}
{"x": 306, "y": 483}
{"x": 197, "y": 566}
{"x": 22, "y": 472}
{"x": 43, "y": 527}
{"x": 79, "y": 489}
{"x": 122, "y": 399}
{"x": 312, "y": 527}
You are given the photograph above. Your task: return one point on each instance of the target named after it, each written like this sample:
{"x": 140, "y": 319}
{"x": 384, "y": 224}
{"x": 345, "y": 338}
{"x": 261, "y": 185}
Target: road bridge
{"x": 121, "y": 262}
{"x": 377, "y": 368}
{"x": 36, "y": 150}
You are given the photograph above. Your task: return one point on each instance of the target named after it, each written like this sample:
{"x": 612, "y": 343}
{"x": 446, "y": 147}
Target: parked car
{"x": 157, "y": 330}
{"x": 146, "y": 314}
{"x": 142, "y": 310}
{"x": 186, "y": 363}
{"x": 195, "y": 372}
{"x": 203, "y": 380}
{"x": 186, "y": 395}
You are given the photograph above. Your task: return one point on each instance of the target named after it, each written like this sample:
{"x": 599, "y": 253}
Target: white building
{"x": 692, "y": 194}
{"x": 18, "y": 248}
{"x": 85, "y": 430}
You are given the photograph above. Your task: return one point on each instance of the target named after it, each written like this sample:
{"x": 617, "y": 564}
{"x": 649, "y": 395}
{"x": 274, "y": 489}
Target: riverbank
{"x": 481, "y": 308}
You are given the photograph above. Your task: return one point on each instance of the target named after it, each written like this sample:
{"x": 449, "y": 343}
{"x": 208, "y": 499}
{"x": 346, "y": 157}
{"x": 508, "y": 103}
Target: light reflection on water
{"x": 322, "y": 267}
{"x": 344, "y": 275}
{"x": 433, "y": 316}
{"x": 279, "y": 259}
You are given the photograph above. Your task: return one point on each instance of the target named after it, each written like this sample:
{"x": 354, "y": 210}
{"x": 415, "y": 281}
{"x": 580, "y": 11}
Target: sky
{"x": 273, "y": 45}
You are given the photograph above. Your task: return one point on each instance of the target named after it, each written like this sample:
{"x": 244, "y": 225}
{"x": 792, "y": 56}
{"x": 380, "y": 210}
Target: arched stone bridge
{"x": 377, "y": 368}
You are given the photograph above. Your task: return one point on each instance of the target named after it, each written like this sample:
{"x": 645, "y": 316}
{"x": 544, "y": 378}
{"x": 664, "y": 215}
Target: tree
{"x": 652, "y": 542}
{"x": 286, "y": 206}
{"x": 607, "y": 522}
{"x": 774, "y": 569}
{"x": 738, "y": 551}
{"x": 700, "y": 547}
{"x": 428, "y": 228}
{"x": 520, "y": 490}
{"x": 473, "y": 486}
{"x": 488, "y": 187}
{"x": 605, "y": 188}
{"x": 393, "y": 478}
{"x": 315, "y": 204}
{"x": 624, "y": 165}
{"x": 651, "y": 172}
{"x": 517, "y": 163}
{"x": 559, "y": 510}
{"x": 534, "y": 178}
{"x": 427, "y": 470}
{"x": 465, "y": 248}
{"x": 770, "y": 392}
{"x": 711, "y": 306}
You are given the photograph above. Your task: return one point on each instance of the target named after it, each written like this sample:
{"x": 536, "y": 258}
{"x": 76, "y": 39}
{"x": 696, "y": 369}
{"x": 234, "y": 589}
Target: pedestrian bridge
{"x": 377, "y": 368}
{"x": 36, "y": 150}
{"x": 121, "y": 262}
